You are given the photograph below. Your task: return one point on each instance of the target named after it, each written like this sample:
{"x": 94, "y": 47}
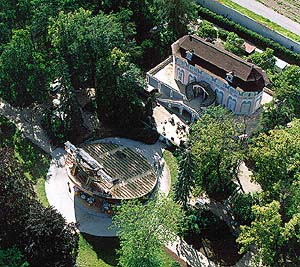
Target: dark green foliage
{"x": 242, "y": 208}
{"x": 41, "y": 234}
{"x": 173, "y": 16}
{"x": 285, "y": 105}
{"x": 234, "y": 44}
{"x": 249, "y": 35}
{"x": 12, "y": 257}
{"x": 206, "y": 29}
{"x": 186, "y": 177}
{"x": 7, "y": 130}
{"x": 118, "y": 85}
{"x": 265, "y": 60}
{"x": 175, "y": 264}
{"x": 217, "y": 151}
{"x": 198, "y": 220}
{"x": 81, "y": 39}
{"x": 23, "y": 73}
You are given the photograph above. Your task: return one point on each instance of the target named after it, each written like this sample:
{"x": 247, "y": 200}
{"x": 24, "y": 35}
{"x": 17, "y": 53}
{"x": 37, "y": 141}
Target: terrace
{"x": 120, "y": 173}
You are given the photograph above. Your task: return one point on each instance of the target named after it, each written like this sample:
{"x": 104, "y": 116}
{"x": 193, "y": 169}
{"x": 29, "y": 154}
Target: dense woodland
{"x": 108, "y": 45}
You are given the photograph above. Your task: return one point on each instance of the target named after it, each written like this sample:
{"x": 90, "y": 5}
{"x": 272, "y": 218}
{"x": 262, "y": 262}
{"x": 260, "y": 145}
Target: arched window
{"x": 180, "y": 75}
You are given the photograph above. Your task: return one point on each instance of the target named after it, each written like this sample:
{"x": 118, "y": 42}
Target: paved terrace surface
{"x": 270, "y": 14}
{"x": 28, "y": 121}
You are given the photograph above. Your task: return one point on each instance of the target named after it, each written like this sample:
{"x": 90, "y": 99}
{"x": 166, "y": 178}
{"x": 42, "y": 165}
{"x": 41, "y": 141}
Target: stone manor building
{"x": 200, "y": 73}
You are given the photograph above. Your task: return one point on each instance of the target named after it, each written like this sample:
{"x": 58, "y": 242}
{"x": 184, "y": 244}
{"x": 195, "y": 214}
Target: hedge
{"x": 279, "y": 50}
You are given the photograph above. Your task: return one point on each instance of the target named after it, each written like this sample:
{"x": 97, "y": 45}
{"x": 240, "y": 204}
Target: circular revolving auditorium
{"x": 103, "y": 174}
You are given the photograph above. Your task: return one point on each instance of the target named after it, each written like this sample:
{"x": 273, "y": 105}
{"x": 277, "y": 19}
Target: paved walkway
{"x": 60, "y": 194}
{"x": 245, "y": 178}
{"x": 270, "y": 14}
{"x": 28, "y": 122}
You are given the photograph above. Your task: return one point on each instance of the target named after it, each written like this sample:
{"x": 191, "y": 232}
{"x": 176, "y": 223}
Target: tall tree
{"x": 81, "y": 39}
{"x": 23, "y": 72}
{"x": 174, "y": 16}
{"x": 285, "y": 104}
{"x": 276, "y": 156}
{"x": 118, "y": 85}
{"x": 186, "y": 177}
{"x": 41, "y": 234}
{"x": 275, "y": 230}
{"x": 144, "y": 229}
{"x": 217, "y": 151}
{"x": 273, "y": 239}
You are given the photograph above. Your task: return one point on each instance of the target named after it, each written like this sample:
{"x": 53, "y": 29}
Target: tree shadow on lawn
{"x": 105, "y": 247}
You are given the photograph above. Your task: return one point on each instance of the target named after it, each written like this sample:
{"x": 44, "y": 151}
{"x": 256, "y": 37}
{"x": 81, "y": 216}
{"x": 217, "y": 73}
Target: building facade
{"x": 200, "y": 73}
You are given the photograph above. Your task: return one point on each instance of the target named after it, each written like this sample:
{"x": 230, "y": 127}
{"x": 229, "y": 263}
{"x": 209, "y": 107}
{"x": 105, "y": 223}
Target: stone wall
{"x": 249, "y": 23}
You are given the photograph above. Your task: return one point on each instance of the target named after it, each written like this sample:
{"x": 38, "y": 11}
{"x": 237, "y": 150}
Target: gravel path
{"x": 28, "y": 122}
{"x": 270, "y": 14}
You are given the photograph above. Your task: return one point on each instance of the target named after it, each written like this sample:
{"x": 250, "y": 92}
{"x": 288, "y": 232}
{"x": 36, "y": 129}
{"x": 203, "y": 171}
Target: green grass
{"x": 101, "y": 252}
{"x": 172, "y": 164}
{"x": 39, "y": 189}
{"x": 261, "y": 19}
{"x": 97, "y": 251}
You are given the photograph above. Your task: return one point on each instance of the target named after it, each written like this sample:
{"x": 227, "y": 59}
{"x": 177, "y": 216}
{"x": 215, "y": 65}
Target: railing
{"x": 194, "y": 113}
{"x": 160, "y": 66}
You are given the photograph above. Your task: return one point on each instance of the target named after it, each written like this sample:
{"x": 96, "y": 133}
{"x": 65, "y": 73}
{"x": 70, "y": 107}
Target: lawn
{"x": 261, "y": 19}
{"x": 172, "y": 164}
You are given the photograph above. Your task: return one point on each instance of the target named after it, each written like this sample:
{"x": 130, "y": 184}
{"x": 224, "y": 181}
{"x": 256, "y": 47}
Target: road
{"x": 270, "y": 14}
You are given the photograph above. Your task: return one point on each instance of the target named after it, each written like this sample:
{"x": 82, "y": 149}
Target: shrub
{"x": 279, "y": 50}
{"x": 241, "y": 208}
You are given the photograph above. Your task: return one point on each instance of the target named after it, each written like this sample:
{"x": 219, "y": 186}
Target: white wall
{"x": 250, "y": 23}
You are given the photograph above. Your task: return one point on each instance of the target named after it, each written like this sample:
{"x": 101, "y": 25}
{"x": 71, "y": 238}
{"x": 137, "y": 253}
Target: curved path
{"x": 270, "y": 14}
{"x": 60, "y": 194}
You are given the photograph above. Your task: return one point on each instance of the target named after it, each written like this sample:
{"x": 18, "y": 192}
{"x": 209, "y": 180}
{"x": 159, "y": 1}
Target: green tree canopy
{"x": 285, "y": 104}
{"x": 266, "y": 60}
{"x": 23, "y": 72}
{"x": 143, "y": 230}
{"x": 206, "y": 29}
{"x": 118, "y": 85}
{"x": 80, "y": 40}
{"x": 216, "y": 148}
{"x": 234, "y": 44}
{"x": 276, "y": 156}
{"x": 186, "y": 177}
{"x": 174, "y": 16}
{"x": 276, "y": 241}
{"x": 40, "y": 233}
{"x": 12, "y": 257}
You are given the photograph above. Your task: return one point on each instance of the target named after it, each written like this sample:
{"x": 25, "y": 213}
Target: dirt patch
{"x": 288, "y": 8}
{"x": 217, "y": 244}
